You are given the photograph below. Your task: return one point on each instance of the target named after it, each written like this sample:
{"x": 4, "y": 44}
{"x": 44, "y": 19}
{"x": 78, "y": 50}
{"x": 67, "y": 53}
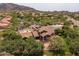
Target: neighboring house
{"x": 3, "y": 25}
{"x": 5, "y": 22}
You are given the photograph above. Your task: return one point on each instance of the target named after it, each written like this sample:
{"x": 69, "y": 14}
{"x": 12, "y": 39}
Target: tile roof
{"x": 46, "y": 30}
{"x": 43, "y": 31}
{"x": 35, "y": 34}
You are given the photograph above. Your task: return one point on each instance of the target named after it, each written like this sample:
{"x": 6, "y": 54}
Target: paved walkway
{"x": 46, "y": 45}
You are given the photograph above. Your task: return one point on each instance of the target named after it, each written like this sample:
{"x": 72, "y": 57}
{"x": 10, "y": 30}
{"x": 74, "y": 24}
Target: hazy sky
{"x": 53, "y": 6}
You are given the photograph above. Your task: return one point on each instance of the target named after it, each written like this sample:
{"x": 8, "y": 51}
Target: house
{"x": 42, "y": 32}
{"x": 37, "y": 31}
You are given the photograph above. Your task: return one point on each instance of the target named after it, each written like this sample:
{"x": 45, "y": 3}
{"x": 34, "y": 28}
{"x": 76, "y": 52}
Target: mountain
{"x": 11, "y": 7}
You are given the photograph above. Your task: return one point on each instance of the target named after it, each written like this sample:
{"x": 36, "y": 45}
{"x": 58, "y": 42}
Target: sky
{"x": 72, "y": 7}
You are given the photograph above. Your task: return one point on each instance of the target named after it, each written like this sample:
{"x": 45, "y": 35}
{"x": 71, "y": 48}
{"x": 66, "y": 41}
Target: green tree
{"x": 74, "y": 46}
{"x": 9, "y": 34}
{"x": 20, "y": 47}
{"x": 71, "y": 37}
{"x": 58, "y": 46}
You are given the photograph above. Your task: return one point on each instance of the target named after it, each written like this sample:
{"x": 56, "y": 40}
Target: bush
{"x": 20, "y": 47}
{"x": 57, "y": 46}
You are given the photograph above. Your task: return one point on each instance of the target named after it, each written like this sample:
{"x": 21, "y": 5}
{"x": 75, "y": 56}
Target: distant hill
{"x": 11, "y": 7}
